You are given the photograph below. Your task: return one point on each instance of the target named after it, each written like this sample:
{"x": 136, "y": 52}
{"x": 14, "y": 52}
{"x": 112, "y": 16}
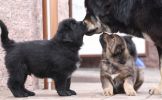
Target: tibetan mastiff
{"x": 55, "y": 58}
{"x": 118, "y": 71}
{"x": 142, "y": 18}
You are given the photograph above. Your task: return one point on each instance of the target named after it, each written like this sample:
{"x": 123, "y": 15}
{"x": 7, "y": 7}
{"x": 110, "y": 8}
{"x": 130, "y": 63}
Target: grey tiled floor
{"x": 88, "y": 87}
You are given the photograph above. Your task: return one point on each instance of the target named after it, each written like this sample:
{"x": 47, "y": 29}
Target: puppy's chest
{"x": 77, "y": 64}
{"x": 113, "y": 72}
{"x": 73, "y": 66}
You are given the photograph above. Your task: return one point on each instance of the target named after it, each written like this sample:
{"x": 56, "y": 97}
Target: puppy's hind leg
{"x": 17, "y": 78}
{"x": 140, "y": 79}
{"x": 27, "y": 91}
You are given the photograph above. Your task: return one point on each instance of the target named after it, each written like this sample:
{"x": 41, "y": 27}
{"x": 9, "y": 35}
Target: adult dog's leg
{"x": 68, "y": 83}
{"x": 158, "y": 89}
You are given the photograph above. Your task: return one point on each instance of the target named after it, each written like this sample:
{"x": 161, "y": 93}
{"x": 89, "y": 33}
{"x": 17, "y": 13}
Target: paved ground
{"x": 88, "y": 87}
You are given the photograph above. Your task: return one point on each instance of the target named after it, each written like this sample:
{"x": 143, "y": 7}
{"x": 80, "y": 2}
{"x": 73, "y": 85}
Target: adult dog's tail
{"x": 6, "y": 42}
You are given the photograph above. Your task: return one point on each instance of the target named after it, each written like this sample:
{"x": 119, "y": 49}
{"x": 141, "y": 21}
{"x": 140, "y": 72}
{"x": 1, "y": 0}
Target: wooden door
{"x": 50, "y": 23}
{"x": 50, "y": 18}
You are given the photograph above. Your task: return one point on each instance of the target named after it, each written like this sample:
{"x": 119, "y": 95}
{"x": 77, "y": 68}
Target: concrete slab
{"x": 89, "y": 88}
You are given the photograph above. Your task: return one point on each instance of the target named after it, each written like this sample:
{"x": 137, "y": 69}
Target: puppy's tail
{"x": 6, "y": 42}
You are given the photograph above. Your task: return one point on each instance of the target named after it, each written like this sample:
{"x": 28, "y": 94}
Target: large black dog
{"x": 55, "y": 58}
{"x": 136, "y": 17}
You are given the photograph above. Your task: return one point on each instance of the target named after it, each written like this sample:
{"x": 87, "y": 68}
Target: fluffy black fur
{"x": 129, "y": 16}
{"x": 55, "y": 58}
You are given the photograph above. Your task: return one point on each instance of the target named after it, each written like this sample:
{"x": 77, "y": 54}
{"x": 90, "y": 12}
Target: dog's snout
{"x": 92, "y": 24}
{"x": 86, "y": 22}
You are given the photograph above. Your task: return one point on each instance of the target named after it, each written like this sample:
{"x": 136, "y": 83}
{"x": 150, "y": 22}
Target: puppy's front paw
{"x": 155, "y": 90}
{"x": 129, "y": 90}
{"x": 72, "y": 92}
{"x": 29, "y": 93}
{"x": 64, "y": 93}
{"x": 108, "y": 91}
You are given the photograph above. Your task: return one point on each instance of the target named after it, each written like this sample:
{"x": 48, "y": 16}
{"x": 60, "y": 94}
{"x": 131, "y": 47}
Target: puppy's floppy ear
{"x": 102, "y": 42}
{"x": 63, "y": 37}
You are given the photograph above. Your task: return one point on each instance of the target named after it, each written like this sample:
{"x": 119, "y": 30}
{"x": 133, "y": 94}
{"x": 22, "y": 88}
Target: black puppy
{"x": 55, "y": 58}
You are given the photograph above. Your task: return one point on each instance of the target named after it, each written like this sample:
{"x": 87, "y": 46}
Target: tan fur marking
{"x": 129, "y": 90}
{"x": 109, "y": 90}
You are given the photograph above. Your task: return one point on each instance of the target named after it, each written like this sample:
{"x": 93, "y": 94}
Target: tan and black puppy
{"x": 118, "y": 72}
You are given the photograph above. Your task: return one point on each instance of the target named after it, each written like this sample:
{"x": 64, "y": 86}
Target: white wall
{"x": 91, "y": 43}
